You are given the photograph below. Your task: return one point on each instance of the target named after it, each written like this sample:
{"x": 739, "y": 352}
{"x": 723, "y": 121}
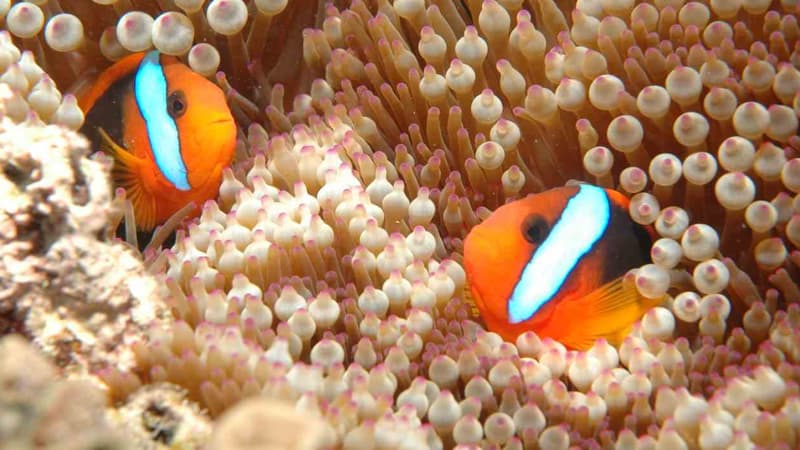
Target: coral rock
{"x": 78, "y": 297}
{"x": 268, "y": 425}
{"x": 38, "y": 410}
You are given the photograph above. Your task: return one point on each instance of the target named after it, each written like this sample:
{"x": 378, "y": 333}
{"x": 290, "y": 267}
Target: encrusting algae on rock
{"x": 328, "y": 274}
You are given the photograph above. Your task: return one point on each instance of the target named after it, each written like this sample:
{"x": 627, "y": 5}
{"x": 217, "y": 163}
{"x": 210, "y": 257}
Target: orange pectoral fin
{"x": 611, "y": 310}
{"x": 127, "y": 174}
{"x": 122, "y": 157}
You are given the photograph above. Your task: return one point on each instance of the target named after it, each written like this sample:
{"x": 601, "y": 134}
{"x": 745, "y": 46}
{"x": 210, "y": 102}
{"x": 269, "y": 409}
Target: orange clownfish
{"x": 169, "y": 130}
{"x": 554, "y": 263}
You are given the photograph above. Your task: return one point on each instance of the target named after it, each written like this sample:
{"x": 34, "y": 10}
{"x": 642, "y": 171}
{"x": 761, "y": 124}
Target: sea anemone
{"x": 328, "y": 272}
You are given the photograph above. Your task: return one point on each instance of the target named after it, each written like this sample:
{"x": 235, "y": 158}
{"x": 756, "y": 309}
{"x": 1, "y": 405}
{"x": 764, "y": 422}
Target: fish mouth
{"x": 221, "y": 121}
{"x": 491, "y": 265}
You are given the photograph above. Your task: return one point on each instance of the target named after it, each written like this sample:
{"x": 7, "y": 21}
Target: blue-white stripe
{"x": 150, "y": 90}
{"x": 582, "y": 223}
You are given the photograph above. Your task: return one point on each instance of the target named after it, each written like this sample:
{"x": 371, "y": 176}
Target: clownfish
{"x": 554, "y": 263}
{"x": 168, "y": 129}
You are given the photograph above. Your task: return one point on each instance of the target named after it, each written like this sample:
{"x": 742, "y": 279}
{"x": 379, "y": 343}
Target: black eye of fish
{"x": 176, "y": 104}
{"x": 535, "y": 229}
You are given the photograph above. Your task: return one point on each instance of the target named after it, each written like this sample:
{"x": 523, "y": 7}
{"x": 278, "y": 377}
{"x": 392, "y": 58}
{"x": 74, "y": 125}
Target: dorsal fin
{"x": 119, "y": 70}
{"x": 101, "y": 100}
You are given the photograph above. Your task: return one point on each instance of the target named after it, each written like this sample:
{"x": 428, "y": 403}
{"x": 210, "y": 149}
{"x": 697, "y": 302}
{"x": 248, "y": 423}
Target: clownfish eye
{"x": 535, "y": 229}
{"x": 176, "y": 104}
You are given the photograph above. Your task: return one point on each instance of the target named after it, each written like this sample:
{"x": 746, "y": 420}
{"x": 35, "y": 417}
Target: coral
{"x": 280, "y": 427}
{"x": 159, "y": 416}
{"x": 40, "y": 410}
{"x": 328, "y": 274}
{"x": 76, "y": 295}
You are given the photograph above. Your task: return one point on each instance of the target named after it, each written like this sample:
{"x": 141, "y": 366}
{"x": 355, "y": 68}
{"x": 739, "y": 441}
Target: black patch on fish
{"x": 627, "y": 244}
{"x": 106, "y": 113}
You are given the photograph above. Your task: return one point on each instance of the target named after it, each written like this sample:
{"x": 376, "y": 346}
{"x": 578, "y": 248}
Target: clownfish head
{"x": 189, "y": 125}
